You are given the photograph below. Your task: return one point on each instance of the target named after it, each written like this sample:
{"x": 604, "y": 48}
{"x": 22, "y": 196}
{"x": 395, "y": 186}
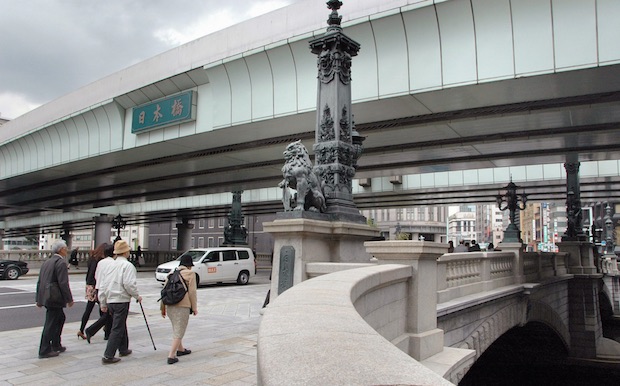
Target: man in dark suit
{"x": 53, "y": 270}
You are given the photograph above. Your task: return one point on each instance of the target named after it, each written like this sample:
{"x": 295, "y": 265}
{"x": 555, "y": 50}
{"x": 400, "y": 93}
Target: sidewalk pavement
{"x": 222, "y": 338}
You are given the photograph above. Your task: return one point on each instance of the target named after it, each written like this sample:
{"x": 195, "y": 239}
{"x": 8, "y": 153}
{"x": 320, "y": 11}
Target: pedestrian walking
{"x": 101, "y": 274}
{"x": 461, "y": 247}
{"x": 114, "y": 295}
{"x": 74, "y": 258}
{"x": 53, "y": 293}
{"x": 179, "y": 313}
{"x": 475, "y": 247}
{"x": 139, "y": 257}
{"x": 96, "y": 255}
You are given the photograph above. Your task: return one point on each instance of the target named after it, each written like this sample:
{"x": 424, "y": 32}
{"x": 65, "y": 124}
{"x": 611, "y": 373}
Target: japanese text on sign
{"x": 173, "y": 110}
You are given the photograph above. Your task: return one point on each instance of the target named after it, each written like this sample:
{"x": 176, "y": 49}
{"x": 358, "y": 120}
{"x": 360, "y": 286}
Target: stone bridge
{"x": 417, "y": 315}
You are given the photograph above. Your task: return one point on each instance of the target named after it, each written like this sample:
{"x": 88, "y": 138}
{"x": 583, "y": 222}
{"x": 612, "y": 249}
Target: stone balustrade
{"x": 337, "y": 329}
{"x": 541, "y": 265}
{"x": 380, "y": 317}
{"x": 462, "y": 274}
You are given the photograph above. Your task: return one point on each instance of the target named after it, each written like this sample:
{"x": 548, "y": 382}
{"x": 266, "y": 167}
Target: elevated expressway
{"x": 454, "y": 98}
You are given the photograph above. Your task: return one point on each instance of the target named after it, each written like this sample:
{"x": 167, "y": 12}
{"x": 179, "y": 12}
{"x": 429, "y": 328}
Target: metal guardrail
{"x": 35, "y": 257}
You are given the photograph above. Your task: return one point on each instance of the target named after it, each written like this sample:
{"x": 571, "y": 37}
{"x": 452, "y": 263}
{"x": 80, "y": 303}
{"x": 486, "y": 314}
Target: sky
{"x": 49, "y": 48}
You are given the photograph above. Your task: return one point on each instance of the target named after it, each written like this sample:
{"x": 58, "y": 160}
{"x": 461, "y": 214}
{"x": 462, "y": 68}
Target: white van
{"x": 215, "y": 265}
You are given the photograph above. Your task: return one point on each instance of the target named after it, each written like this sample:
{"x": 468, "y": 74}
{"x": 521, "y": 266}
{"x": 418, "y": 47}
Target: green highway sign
{"x": 164, "y": 112}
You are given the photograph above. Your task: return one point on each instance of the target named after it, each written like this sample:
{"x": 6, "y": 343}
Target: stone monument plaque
{"x": 287, "y": 268}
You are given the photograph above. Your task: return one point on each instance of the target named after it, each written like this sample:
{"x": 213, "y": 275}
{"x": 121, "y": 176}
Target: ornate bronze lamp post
{"x": 512, "y": 234}
{"x": 337, "y": 148}
{"x": 574, "y": 218}
{"x": 358, "y": 145}
{"x": 235, "y": 233}
{"x": 609, "y": 232}
{"x": 118, "y": 223}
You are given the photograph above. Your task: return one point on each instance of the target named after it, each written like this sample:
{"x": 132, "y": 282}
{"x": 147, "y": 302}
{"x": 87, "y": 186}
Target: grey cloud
{"x": 51, "y": 47}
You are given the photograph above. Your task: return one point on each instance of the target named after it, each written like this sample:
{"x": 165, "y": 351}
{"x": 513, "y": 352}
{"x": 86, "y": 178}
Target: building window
{"x": 210, "y": 242}
{"x": 174, "y": 243}
{"x": 220, "y": 241}
{"x": 211, "y": 223}
{"x": 419, "y": 214}
{"x": 409, "y": 214}
{"x": 201, "y": 224}
{"x": 201, "y": 242}
{"x": 220, "y": 222}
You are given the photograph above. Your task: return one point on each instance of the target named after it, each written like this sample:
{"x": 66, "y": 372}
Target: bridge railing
{"x": 462, "y": 274}
{"x": 353, "y": 315}
{"x": 541, "y": 265}
{"x": 388, "y": 301}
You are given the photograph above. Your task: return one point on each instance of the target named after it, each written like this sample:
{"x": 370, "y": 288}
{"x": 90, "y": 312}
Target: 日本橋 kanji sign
{"x": 164, "y": 112}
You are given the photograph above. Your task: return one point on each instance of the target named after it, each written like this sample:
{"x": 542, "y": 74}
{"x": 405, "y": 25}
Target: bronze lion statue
{"x": 299, "y": 175}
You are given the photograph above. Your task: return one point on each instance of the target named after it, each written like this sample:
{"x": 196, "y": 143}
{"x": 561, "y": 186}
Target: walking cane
{"x": 147, "y": 325}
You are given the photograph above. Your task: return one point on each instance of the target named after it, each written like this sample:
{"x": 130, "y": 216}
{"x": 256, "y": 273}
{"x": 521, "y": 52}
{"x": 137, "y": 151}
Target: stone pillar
{"x": 184, "y": 241}
{"x": 144, "y": 237}
{"x": 609, "y": 261}
{"x": 425, "y": 339}
{"x": 1, "y": 237}
{"x": 584, "y": 317}
{"x": 517, "y": 249}
{"x": 103, "y": 229}
{"x": 66, "y": 236}
{"x": 298, "y": 241}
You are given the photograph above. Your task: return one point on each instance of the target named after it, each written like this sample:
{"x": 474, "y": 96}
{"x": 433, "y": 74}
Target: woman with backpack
{"x": 179, "y": 313}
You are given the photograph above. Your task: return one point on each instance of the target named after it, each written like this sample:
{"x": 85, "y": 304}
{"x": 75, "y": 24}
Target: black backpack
{"x": 175, "y": 289}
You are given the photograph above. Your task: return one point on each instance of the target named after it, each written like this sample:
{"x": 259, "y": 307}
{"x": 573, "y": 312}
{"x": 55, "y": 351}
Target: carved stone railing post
{"x": 426, "y": 339}
{"x": 517, "y": 249}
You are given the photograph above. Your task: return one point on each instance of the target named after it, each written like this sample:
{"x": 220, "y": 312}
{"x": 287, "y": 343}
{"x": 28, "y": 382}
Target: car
{"x": 215, "y": 265}
{"x": 12, "y": 269}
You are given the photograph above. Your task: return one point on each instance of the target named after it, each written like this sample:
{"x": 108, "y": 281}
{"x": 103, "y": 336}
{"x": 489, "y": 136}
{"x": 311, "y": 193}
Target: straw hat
{"x": 121, "y": 247}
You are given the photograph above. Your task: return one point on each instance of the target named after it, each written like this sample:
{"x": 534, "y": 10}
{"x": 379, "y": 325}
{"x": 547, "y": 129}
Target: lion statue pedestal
{"x": 304, "y": 233}
{"x": 304, "y": 238}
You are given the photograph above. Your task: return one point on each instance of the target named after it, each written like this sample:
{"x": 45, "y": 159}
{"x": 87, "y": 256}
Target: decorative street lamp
{"x": 118, "y": 223}
{"x": 574, "y": 218}
{"x": 609, "y": 232}
{"x": 358, "y": 144}
{"x": 512, "y": 234}
{"x": 235, "y": 233}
